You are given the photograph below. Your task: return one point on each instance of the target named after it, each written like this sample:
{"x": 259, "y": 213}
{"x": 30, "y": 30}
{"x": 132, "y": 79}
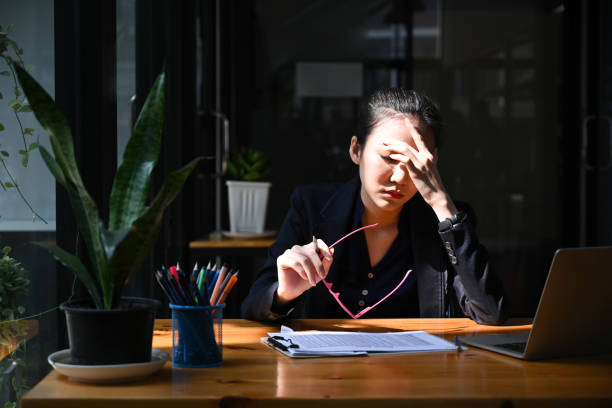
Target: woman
{"x": 420, "y": 229}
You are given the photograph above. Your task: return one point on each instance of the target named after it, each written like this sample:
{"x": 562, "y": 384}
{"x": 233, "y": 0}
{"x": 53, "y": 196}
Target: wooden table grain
{"x": 252, "y": 375}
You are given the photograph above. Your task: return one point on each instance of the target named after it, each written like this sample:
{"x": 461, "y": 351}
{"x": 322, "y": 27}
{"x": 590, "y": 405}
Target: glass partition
{"x": 23, "y": 222}
{"x": 493, "y": 69}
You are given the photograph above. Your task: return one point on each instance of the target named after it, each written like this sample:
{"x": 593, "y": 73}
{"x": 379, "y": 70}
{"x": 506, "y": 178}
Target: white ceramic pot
{"x": 248, "y": 201}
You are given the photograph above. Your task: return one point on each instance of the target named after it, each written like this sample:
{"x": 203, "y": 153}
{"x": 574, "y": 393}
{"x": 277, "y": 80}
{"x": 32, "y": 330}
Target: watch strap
{"x": 448, "y": 223}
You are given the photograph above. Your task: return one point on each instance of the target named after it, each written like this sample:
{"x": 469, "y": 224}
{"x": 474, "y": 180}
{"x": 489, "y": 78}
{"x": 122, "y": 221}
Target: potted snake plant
{"x": 107, "y": 328}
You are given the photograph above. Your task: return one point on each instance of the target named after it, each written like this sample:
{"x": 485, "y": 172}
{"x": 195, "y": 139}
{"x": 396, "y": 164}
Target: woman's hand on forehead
{"x": 418, "y": 146}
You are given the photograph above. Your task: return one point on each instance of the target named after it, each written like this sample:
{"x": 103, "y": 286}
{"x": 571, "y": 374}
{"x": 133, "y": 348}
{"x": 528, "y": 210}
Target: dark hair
{"x": 391, "y": 102}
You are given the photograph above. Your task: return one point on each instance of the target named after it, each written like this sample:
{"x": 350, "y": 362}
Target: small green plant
{"x": 249, "y": 165}
{"x": 10, "y": 54}
{"x": 117, "y": 250}
{"x": 13, "y": 283}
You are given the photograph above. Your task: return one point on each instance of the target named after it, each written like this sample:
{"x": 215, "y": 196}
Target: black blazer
{"x": 453, "y": 274}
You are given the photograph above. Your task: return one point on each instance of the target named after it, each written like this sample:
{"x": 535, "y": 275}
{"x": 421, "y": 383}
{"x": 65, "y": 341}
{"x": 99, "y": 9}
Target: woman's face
{"x": 385, "y": 183}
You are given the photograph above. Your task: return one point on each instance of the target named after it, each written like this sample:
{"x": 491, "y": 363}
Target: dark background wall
{"x": 521, "y": 86}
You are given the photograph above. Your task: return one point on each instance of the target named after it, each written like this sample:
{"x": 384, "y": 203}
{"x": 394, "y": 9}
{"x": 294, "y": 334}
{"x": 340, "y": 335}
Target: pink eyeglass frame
{"x": 336, "y": 295}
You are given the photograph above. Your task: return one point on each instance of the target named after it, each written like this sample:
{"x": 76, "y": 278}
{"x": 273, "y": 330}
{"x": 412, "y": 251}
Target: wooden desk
{"x": 255, "y": 376}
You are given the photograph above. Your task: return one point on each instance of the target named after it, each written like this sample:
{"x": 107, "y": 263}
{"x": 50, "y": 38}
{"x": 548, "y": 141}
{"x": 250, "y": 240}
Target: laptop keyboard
{"x": 518, "y": 346}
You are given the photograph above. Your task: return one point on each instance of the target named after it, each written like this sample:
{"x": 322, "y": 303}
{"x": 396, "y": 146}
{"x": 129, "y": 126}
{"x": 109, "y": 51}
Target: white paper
{"x": 327, "y": 343}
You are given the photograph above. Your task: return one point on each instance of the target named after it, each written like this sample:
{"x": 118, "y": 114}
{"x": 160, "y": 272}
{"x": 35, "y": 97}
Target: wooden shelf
{"x": 231, "y": 243}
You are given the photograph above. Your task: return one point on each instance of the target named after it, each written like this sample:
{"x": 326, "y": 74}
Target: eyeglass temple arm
{"x": 351, "y": 233}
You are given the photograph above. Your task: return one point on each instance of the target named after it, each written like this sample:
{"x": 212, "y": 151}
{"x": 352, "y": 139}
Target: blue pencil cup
{"x": 197, "y": 339}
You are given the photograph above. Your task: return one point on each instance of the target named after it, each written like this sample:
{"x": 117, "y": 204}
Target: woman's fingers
{"x": 328, "y": 257}
{"x": 406, "y": 152}
{"x": 309, "y": 262}
{"x": 289, "y": 261}
{"x": 305, "y": 262}
{"x": 416, "y": 137}
{"x": 400, "y": 157}
{"x": 394, "y": 146}
{"x": 325, "y": 251}
{"x": 411, "y": 155}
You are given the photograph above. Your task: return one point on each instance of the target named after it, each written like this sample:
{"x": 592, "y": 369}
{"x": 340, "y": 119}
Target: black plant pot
{"x": 116, "y": 336}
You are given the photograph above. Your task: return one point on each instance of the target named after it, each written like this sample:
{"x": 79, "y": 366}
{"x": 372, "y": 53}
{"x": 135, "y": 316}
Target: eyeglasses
{"x": 336, "y": 295}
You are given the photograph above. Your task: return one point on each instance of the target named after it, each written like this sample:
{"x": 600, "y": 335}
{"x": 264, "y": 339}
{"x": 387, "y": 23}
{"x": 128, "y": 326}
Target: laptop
{"x": 574, "y": 316}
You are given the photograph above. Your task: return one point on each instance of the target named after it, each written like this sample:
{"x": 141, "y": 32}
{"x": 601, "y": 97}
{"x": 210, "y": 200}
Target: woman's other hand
{"x": 302, "y": 267}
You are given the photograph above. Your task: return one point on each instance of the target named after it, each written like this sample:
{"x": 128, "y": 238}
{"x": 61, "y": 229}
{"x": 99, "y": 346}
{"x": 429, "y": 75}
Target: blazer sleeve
{"x": 477, "y": 287}
{"x": 258, "y": 303}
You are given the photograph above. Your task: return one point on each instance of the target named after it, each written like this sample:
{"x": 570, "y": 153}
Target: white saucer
{"x": 249, "y": 235}
{"x": 61, "y": 361}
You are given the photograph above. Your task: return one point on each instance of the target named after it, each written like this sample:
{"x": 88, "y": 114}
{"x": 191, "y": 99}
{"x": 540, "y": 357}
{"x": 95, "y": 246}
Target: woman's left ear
{"x": 355, "y": 150}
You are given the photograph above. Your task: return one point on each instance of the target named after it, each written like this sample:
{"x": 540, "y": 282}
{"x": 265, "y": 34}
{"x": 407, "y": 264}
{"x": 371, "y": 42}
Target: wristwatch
{"x": 448, "y": 223}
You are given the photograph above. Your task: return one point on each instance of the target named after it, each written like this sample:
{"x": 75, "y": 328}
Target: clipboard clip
{"x": 276, "y": 342}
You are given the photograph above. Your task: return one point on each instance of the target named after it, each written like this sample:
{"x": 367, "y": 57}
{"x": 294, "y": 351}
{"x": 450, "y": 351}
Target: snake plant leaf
{"x": 131, "y": 253}
{"x": 75, "y": 265}
{"x": 53, "y": 121}
{"x": 85, "y": 209}
{"x": 53, "y": 166}
{"x": 111, "y": 239}
{"x": 132, "y": 180}
{"x": 88, "y": 222}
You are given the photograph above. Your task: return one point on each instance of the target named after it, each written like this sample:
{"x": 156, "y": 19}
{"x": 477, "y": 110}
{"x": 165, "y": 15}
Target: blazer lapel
{"x": 332, "y": 223}
{"x": 337, "y": 217}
